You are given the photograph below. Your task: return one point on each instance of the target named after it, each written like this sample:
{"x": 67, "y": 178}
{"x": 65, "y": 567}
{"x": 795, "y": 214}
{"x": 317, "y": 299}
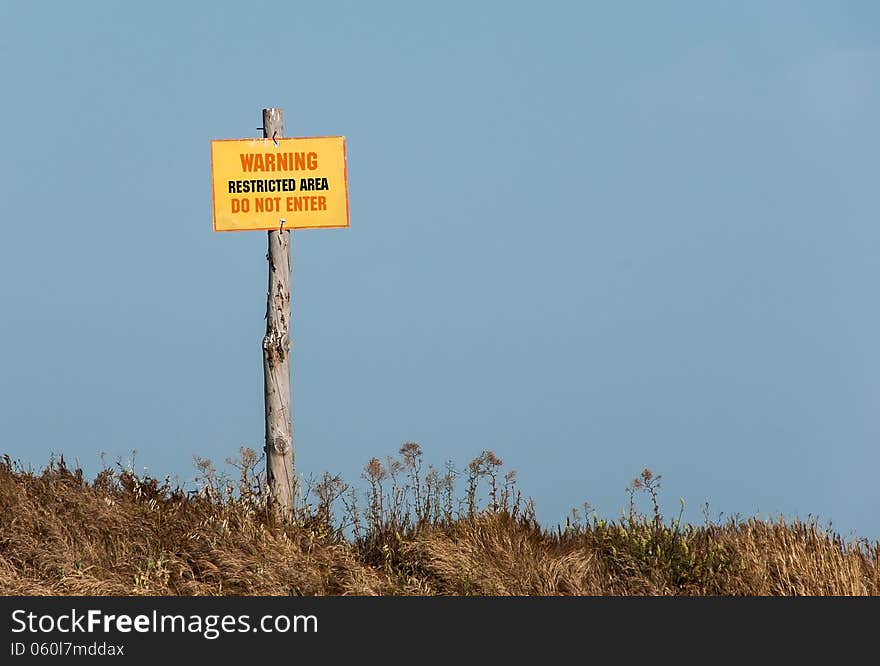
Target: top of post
{"x": 273, "y": 123}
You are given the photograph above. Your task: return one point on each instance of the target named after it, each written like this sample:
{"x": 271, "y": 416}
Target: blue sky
{"x": 591, "y": 238}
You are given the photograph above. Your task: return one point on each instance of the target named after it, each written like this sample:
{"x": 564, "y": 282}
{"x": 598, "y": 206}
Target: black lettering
{"x": 274, "y": 185}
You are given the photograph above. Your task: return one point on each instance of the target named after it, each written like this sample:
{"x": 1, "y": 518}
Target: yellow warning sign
{"x": 262, "y": 184}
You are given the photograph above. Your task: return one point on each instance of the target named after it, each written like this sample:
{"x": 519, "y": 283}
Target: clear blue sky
{"x": 591, "y": 237}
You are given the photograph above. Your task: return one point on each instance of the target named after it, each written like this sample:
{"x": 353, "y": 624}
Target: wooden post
{"x": 276, "y": 357}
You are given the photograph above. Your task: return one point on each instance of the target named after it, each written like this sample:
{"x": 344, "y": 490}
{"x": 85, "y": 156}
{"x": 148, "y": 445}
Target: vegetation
{"x": 404, "y": 532}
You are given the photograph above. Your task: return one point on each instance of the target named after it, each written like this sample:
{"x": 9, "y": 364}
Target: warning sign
{"x": 262, "y": 184}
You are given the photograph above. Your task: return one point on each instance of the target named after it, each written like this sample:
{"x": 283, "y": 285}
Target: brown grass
{"x": 129, "y": 534}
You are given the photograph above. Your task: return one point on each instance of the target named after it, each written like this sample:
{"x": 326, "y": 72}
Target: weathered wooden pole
{"x": 276, "y": 356}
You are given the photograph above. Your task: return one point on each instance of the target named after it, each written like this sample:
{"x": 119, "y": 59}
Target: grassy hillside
{"x": 403, "y": 532}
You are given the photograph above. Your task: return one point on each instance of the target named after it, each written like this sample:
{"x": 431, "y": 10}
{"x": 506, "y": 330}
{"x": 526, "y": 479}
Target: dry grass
{"x": 125, "y": 534}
